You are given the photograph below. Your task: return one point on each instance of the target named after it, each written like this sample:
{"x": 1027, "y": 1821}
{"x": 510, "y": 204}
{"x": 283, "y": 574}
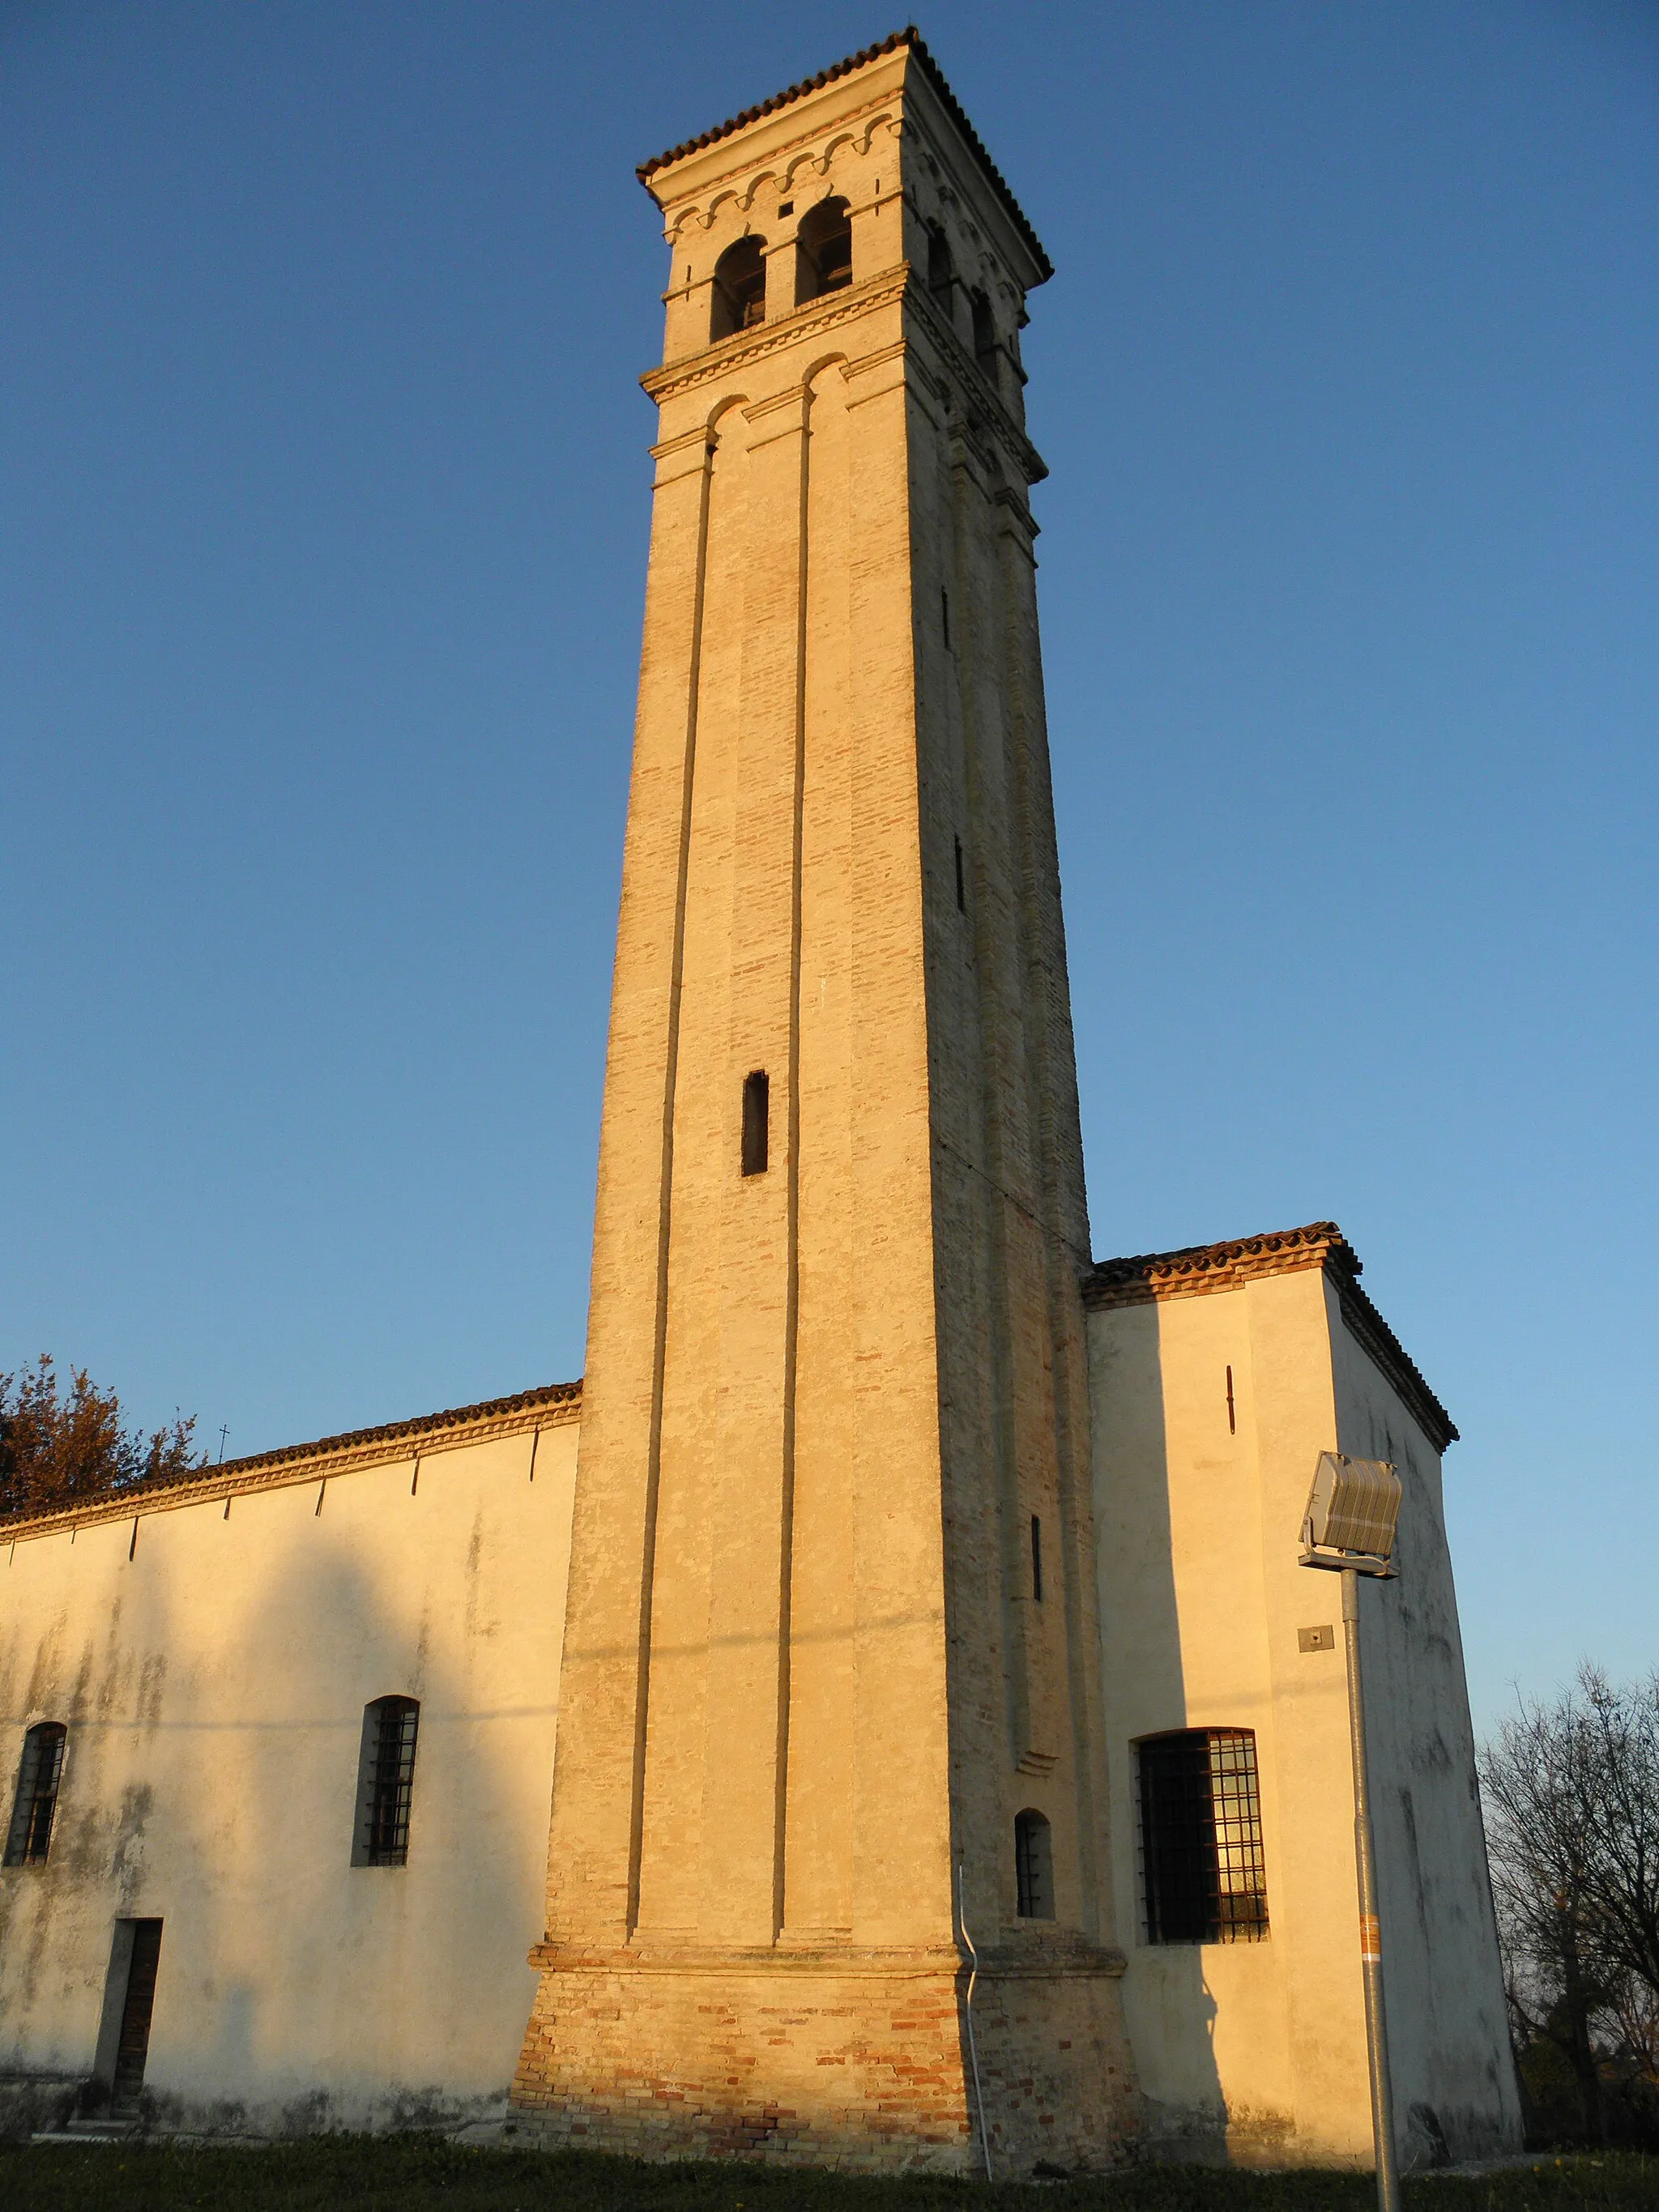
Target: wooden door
{"x": 140, "y": 2000}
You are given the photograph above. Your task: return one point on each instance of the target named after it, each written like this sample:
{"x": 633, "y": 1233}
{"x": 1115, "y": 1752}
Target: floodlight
{"x": 1352, "y": 1510}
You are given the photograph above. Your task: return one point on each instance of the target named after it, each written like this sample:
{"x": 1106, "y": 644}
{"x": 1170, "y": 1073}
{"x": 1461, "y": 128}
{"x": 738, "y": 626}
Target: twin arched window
{"x": 385, "y": 1782}
{"x": 824, "y": 262}
{"x": 29, "y": 1836}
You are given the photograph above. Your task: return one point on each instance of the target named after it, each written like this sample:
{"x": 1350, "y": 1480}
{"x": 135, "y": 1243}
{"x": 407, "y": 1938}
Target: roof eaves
{"x": 1149, "y": 1276}
{"x": 909, "y": 37}
{"x": 235, "y": 1474}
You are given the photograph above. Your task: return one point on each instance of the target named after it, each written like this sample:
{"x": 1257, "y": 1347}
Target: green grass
{"x": 411, "y": 2173}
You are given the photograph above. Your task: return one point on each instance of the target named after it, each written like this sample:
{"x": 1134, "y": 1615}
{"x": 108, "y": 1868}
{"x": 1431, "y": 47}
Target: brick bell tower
{"x": 829, "y": 1711}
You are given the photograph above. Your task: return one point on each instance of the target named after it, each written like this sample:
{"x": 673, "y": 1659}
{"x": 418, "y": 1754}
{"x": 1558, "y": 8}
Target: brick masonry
{"x": 808, "y": 1682}
{"x": 815, "y": 2063}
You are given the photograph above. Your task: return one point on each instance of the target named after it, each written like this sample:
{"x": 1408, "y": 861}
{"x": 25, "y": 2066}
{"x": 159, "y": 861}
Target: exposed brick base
{"x": 859, "y": 2063}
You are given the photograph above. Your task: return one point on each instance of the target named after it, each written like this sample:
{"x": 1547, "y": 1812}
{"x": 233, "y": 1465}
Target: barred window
{"x": 1034, "y": 1867}
{"x": 386, "y": 1786}
{"x": 29, "y": 1836}
{"x": 1200, "y": 1833}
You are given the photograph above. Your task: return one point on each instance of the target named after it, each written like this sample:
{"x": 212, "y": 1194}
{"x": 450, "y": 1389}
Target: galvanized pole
{"x": 1370, "y": 1928}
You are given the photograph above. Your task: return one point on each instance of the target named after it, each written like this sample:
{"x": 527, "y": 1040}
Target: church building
{"x": 879, "y": 1717}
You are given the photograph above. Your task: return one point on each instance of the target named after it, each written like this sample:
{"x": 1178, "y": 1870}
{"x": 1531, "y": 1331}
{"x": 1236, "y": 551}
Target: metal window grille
{"x": 1200, "y": 1820}
{"x": 29, "y": 1837}
{"x": 392, "y": 1781}
{"x": 1034, "y": 1867}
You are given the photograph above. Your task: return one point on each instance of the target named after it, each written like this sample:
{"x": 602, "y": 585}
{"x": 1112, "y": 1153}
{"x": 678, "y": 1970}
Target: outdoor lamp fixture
{"x": 1354, "y": 1509}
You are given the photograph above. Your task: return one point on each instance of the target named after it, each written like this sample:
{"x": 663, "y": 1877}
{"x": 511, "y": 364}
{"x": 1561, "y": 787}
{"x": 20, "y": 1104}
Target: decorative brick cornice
{"x": 1197, "y": 1269}
{"x": 727, "y": 355}
{"x": 549, "y": 1407}
{"x": 910, "y": 38}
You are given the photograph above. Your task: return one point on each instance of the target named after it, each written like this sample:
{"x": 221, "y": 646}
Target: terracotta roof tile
{"x": 1197, "y": 1268}
{"x": 909, "y": 37}
{"x": 236, "y": 1475}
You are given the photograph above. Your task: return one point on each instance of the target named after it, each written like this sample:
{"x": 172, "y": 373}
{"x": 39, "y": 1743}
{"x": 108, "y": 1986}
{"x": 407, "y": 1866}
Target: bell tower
{"x": 827, "y": 1875}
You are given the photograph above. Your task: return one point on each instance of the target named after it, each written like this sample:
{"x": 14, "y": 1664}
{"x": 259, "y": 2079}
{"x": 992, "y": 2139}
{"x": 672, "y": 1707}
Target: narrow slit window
{"x": 962, "y": 886}
{"x": 756, "y": 1114}
{"x": 1037, "y": 1558}
{"x": 1034, "y": 1866}
{"x": 944, "y": 615}
{"x": 1232, "y": 1410}
{"x": 28, "y": 1839}
{"x": 985, "y": 333}
{"x": 386, "y": 1786}
{"x": 1200, "y": 1833}
{"x": 940, "y": 272}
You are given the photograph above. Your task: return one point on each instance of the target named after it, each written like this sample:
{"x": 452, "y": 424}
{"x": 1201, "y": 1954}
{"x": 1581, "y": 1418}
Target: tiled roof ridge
{"x": 145, "y": 1497}
{"x": 912, "y": 38}
{"x": 1192, "y": 1261}
{"x": 1147, "y": 1276}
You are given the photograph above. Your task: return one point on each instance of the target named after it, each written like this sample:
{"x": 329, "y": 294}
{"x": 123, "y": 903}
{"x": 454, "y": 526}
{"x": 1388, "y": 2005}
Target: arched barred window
{"x": 41, "y": 1770}
{"x": 386, "y": 1786}
{"x": 1034, "y": 1866}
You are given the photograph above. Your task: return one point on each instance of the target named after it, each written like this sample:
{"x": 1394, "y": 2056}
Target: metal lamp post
{"x": 1349, "y": 1526}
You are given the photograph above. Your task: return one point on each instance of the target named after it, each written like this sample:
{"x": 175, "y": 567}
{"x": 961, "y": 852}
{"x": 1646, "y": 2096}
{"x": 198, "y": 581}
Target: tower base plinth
{"x": 854, "y": 2060}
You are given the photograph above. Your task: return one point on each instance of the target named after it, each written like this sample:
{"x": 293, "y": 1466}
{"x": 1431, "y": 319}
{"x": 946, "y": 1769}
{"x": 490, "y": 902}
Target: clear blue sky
{"x": 325, "y": 499}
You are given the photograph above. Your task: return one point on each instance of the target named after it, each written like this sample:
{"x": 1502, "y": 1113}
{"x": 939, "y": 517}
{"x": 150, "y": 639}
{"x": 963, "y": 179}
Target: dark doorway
{"x": 132, "y": 2046}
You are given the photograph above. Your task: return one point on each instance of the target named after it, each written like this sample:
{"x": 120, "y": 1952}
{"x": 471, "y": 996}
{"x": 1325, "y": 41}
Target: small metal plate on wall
{"x": 1316, "y": 1639}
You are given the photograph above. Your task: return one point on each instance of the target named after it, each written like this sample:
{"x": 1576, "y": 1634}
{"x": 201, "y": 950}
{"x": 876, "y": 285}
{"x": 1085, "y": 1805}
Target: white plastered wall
{"x": 214, "y": 1685}
{"x": 1451, "y": 2067}
{"x": 1256, "y": 2052}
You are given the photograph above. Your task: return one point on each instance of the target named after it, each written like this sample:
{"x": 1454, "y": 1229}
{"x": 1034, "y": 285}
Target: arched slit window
{"x": 940, "y": 268}
{"x": 29, "y": 1836}
{"x": 756, "y": 1114}
{"x": 740, "y": 289}
{"x": 985, "y": 333}
{"x": 385, "y": 1782}
{"x": 1201, "y": 1836}
{"x": 824, "y": 251}
{"x": 1034, "y": 1866}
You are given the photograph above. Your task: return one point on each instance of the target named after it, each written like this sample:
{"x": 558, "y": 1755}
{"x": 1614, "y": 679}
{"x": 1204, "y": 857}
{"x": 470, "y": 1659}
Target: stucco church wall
{"x": 1453, "y": 2079}
{"x": 214, "y": 1685}
{"x": 1255, "y": 2052}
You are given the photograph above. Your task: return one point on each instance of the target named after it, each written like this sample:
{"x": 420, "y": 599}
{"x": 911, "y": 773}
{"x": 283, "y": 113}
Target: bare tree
{"x": 57, "y": 1446}
{"x": 1623, "y": 1729}
{"x": 1572, "y": 1792}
